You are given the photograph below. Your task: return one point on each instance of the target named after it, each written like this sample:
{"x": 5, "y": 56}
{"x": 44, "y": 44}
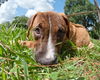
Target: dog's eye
{"x": 60, "y": 34}
{"x": 37, "y": 32}
{"x": 60, "y": 31}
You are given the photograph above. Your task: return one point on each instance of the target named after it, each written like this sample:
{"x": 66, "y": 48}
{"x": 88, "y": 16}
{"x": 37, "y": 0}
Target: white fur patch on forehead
{"x": 50, "y": 54}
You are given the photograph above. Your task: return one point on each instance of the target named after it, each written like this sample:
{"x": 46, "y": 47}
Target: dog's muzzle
{"x": 47, "y": 61}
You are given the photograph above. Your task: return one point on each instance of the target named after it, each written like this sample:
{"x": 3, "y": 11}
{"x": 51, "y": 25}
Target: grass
{"x": 17, "y": 62}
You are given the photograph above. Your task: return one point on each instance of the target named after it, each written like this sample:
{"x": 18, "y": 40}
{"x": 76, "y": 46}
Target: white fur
{"x": 50, "y": 46}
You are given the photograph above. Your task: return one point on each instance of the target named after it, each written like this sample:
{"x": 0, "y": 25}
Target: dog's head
{"x": 48, "y": 29}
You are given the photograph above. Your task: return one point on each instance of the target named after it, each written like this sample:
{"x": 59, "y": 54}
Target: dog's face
{"x": 48, "y": 29}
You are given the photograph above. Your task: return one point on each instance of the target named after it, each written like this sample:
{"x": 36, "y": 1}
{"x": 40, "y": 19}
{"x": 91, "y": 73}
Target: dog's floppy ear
{"x": 67, "y": 23}
{"x": 30, "y": 23}
{"x": 65, "y": 18}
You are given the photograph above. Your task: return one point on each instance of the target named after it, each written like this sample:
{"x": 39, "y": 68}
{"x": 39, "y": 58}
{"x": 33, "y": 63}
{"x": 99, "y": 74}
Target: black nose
{"x": 47, "y": 61}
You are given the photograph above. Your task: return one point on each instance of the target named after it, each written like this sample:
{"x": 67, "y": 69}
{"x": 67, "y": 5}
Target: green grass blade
{"x": 25, "y": 66}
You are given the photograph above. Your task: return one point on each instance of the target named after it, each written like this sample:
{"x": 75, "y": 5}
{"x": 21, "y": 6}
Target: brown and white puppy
{"x": 50, "y": 28}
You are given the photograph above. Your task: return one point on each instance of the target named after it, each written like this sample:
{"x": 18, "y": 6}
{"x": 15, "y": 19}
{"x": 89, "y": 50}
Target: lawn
{"x": 17, "y": 62}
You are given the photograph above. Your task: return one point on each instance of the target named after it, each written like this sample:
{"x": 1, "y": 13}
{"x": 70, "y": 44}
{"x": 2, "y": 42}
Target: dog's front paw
{"x": 29, "y": 44}
{"x": 22, "y": 42}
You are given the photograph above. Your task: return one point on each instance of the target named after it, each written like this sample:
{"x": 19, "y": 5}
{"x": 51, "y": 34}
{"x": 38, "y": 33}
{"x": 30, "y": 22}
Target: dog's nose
{"x": 47, "y": 61}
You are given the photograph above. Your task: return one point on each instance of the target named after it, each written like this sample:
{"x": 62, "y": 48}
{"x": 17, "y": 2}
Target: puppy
{"x": 50, "y": 28}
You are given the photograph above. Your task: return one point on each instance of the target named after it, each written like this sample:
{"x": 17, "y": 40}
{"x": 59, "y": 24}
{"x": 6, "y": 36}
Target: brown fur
{"x": 44, "y": 25}
{"x": 75, "y": 32}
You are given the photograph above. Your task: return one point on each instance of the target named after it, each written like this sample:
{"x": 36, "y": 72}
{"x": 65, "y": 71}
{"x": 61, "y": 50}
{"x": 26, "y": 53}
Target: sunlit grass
{"x": 17, "y": 62}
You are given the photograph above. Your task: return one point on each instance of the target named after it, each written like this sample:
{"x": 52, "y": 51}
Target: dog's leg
{"x": 91, "y": 45}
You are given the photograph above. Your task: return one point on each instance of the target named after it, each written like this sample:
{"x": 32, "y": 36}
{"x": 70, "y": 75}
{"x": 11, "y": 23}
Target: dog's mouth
{"x": 41, "y": 59}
